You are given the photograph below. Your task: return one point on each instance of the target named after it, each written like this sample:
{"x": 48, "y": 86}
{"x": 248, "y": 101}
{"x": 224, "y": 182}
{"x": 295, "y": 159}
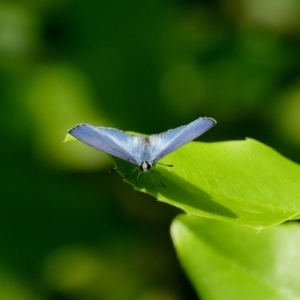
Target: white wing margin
{"x": 109, "y": 140}
{"x": 166, "y": 142}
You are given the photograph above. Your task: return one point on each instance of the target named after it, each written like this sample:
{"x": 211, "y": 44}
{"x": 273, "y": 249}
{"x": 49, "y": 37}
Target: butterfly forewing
{"x": 138, "y": 149}
{"x": 110, "y": 140}
{"x": 166, "y": 142}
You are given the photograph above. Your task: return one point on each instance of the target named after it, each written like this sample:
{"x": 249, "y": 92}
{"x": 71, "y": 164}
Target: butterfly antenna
{"x": 165, "y": 165}
{"x": 160, "y": 178}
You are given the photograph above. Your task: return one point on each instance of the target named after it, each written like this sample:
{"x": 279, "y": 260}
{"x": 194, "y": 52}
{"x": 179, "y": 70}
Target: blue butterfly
{"x": 140, "y": 150}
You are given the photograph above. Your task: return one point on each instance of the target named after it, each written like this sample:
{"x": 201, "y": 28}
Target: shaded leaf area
{"x": 225, "y": 261}
{"x": 243, "y": 182}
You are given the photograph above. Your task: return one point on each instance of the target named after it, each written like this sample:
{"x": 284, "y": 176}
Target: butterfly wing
{"x": 109, "y": 140}
{"x": 166, "y": 142}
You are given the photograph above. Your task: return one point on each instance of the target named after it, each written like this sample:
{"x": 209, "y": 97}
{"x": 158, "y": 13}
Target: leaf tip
{"x": 69, "y": 138}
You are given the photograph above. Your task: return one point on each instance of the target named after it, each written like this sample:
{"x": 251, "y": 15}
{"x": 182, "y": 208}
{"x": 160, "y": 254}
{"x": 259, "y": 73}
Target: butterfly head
{"x": 145, "y": 166}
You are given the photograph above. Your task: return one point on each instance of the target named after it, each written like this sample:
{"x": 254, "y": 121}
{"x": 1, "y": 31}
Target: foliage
{"x": 226, "y": 261}
{"x": 244, "y": 183}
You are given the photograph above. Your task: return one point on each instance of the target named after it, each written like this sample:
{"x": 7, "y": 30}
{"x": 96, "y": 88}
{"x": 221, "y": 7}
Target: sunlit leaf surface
{"x": 239, "y": 181}
{"x": 226, "y": 261}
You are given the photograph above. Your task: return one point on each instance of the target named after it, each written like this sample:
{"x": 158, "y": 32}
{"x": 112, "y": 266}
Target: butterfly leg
{"x": 151, "y": 180}
{"x": 117, "y": 169}
{"x": 160, "y": 178}
{"x": 137, "y": 178}
{"x": 129, "y": 173}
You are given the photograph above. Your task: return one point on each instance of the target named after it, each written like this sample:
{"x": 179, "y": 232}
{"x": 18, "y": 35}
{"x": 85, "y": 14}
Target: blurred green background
{"x": 70, "y": 230}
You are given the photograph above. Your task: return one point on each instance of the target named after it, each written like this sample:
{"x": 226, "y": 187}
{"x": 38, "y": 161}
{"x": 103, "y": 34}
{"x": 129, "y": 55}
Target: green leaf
{"x": 226, "y": 261}
{"x": 243, "y": 182}
{"x": 69, "y": 138}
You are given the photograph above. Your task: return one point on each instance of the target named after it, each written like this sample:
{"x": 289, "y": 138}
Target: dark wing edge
{"x": 109, "y": 140}
{"x": 179, "y": 136}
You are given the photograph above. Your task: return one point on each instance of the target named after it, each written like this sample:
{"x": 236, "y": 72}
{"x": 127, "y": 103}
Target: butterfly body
{"x": 145, "y": 166}
{"x": 142, "y": 151}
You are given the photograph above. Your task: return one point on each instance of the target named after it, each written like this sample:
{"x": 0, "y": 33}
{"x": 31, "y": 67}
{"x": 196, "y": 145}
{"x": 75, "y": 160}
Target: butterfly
{"x": 143, "y": 151}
